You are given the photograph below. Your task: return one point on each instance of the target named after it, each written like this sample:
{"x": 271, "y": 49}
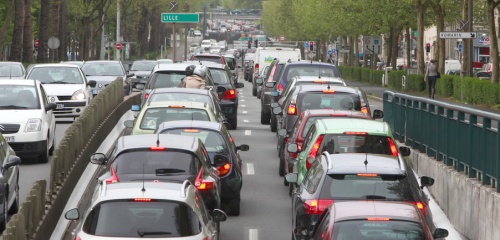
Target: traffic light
{"x": 311, "y": 46}
{"x": 256, "y": 43}
{"x": 428, "y": 48}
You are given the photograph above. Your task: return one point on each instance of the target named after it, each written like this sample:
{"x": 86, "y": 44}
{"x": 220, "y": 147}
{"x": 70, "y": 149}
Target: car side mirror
{"x": 378, "y": 114}
{"x": 98, "y": 158}
{"x": 219, "y": 215}
{"x": 12, "y": 160}
{"x": 440, "y": 233}
{"x": 50, "y": 106}
{"x": 426, "y": 181}
{"x": 240, "y": 85}
{"x": 91, "y": 83}
{"x": 128, "y": 123}
{"x": 292, "y": 148}
{"x": 277, "y": 111}
{"x": 270, "y": 84}
{"x": 139, "y": 86}
{"x": 291, "y": 177}
{"x": 72, "y": 214}
{"x": 243, "y": 147}
{"x": 259, "y": 81}
{"x": 282, "y": 133}
{"x": 405, "y": 151}
{"x": 135, "y": 108}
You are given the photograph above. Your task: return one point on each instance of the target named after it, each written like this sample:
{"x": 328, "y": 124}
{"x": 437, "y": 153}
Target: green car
{"x": 344, "y": 135}
{"x": 154, "y": 113}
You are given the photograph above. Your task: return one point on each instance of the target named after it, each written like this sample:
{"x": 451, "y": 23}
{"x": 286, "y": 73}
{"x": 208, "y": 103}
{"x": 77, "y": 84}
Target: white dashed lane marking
{"x": 242, "y": 100}
{"x": 248, "y": 132}
{"x": 245, "y": 120}
{"x": 245, "y": 112}
{"x": 253, "y": 234}
{"x": 250, "y": 169}
{"x": 243, "y": 105}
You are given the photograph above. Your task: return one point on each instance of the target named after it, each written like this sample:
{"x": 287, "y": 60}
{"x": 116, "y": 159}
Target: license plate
{"x": 95, "y": 91}
{"x": 60, "y": 106}
{"x": 9, "y": 138}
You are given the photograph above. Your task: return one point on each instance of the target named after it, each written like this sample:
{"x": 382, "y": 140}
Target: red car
{"x": 302, "y": 126}
{"x": 374, "y": 220}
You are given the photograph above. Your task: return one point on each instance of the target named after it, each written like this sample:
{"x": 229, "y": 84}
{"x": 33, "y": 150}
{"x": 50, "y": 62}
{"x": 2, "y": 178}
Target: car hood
{"x": 61, "y": 89}
{"x": 103, "y": 79}
{"x": 18, "y": 116}
{"x": 141, "y": 73}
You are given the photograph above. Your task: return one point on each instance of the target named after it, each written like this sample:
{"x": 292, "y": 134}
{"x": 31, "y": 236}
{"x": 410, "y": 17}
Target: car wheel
{"x": 3, "y": 223}
{"x": 218, "y": 230}
{"x": 264, "y": 118}
{"x": 51, "y": 149}
{"x": 234, "y": 207}
{"x": 233, "y": 122}
{"x": 254, "y": 91}
{"x": 274, "y": 123}
{"x": 282, "y": 167}
{"x": 290, "y": 189}
{"x": 15, "y": 206}
{"x": 44, "y": 157}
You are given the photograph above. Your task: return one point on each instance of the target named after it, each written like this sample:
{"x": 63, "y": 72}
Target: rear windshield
{"x": 311, "y": 70}
{"x": 180, "y": 96}
{"x": 149, "y": 162}
{"x": 155, "y": 116}
{"x": 336, "y": 100}
{"x": 354, "y": 187}
{"x": 18, "y": 97}
{"x": 143, "y": 66}
{"x": 213, "y": 141}
{"x": 130, "y": 219}
{"x": 219, "y": 76}
{"x": 215, "y": 59}
{"x": 387, "y": 230}
{"x": 11, "y": 70}
{"x": 354, "y": 143}
{"x": 163, "y": 79}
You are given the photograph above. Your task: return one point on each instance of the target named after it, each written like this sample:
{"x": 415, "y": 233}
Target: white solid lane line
{"x": 248, "y": 132}
{"x": 250, "y": 169}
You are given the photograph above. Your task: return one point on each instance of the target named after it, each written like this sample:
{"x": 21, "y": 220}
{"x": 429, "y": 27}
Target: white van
{"x": 26, "y": 118}
{"x": 452, "y": 65}
{"x": 265, "y": 55}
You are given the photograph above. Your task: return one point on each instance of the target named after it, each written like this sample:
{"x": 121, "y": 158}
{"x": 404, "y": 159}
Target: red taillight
{"x": 314, "y": 150}
{"x": 355, "y": 133}
{"x": 364, "y": 110}
{"x": 256, "y": 67}
{"x": 146, "y": 95}
{"x": 224, "y": 169}
{"x": 280, "y": 87}
{"x": 77, "y": 238}
{"x": 317, "y": 206}
{"x": 201, "y": 184}
{"x": 229, "y": 94}
{"x": 157, "y": 148}
{"x": 292, "y": 110}
{"x": 378, "y": 219}
{"x": 328, "y": 91}
{"x": 113, "y": 178}
{"x": 394, "y": 149}
{"x": 176, "y": 106}
{"x": 142, "y": 199}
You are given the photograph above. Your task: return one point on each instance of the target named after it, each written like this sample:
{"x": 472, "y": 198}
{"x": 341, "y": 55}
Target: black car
{"x": 153, "y": 157}
{"x": 9, "y": 180}
{"x": 141, "y": 70}
{"x": 222, "y": 77}
{"x": 223, "y": 153}
{"x": 354, "y": 177}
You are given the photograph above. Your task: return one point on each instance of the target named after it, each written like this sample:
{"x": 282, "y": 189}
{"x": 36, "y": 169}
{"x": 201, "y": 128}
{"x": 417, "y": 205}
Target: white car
{"x": 27, "y": 120}
{"x": 206, "y": 44}
{"x": 197, "y": 33}
{"x": 66, "y": 86}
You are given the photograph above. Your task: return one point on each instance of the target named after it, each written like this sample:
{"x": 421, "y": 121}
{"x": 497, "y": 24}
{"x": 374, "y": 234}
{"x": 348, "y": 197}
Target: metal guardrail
{"x": 463, "y": 138}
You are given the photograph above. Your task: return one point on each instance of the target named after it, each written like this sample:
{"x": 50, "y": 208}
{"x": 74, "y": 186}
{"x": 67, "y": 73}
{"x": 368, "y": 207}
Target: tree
{"x": 492, "y": 5}
{"x": 27, "y": 33}
{"x": 17, "y": 39}
{"x": 7, "y": 21}
{"x": 43, "y": 35}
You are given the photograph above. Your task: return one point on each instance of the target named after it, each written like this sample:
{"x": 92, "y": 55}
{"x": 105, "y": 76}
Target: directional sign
{"x": 306, "y": 45}
{"x": 371, "y": 45}
{"x": 457, "y": 35}
{"x": 180, "y": 17}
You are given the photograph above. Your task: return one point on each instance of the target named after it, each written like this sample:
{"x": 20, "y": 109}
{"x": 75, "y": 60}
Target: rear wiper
{"x": 58, "y": 82}
{"x": 12, "y": 107}
{"x": 374, "y": 197}
{"x": 142, "y": 234}
{"x": 166, "y": 171}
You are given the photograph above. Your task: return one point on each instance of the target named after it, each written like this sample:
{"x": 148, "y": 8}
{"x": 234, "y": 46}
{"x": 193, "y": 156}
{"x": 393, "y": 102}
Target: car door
{"x": 9, "y": 176}
{"x": 209, "y": 225}
{"x": 306, "y": 191}
{"x": 49, "y": 119}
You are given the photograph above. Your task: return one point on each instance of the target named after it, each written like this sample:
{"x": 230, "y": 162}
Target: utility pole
{"x": 186, "y": 10}
{"x": 118, "y": 39}
{"x": 471, "y": 40}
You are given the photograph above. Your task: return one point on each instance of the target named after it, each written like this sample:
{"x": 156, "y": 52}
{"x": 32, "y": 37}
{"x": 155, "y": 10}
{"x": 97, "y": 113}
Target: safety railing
{"x": 463, "y": 138}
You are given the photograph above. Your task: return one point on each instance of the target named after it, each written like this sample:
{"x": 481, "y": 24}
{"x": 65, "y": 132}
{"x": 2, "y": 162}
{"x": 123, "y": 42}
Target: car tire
{"x": 3, "y": 223}
{"x": 15, "y": 206}
{"x": 264, "y": 118}
{"x": 281, "y": 169}
{"x": 44, "y": 157}
{"x": 254, "y": 91}
{"x": 51, "y": 149}
{"x": 234, "y": 207}
{"x": 274, "y": 123}
{"x": 233, "y": 122}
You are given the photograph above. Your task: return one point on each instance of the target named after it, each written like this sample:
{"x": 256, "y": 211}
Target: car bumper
{"x": 69, "y": 109}
{"x": 211, "y": 198}
{"x": 229, "y": 108}
{"x": 29, "y": 149}
{"x": 231, "y": 186}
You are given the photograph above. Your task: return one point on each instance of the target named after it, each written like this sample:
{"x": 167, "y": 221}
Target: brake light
{"x": 292, "y": 110}
{"x": 367, "y": 174}
{"x": 355, "y": 133}
{"x": 77, "y": 238}
{"x": 157, "y": 148}
{"x": 229, "y": 94}
{"x": 280, "y": 87}
{"x": 378, "y": 219}
{"x": 328, "y": 91}
{"x": 317, "y": 206}
{"x": 364, "y": 110}
{"x": 224, "y": 169}
{"x": 176, "y": 106}
{"x": 113, "y": 178}
{"x": 256, "y": 67}
{"x": 314, "y": 150}
{"x": 142, "y": 199}
{"x": 191, "y": 130}
{"x": 319, "y": 81}
{"x": 146, "y": 95}
{"x": 394, "y": 149}
{"x": 294, "y": 155}
{"x": 201, "y": 184}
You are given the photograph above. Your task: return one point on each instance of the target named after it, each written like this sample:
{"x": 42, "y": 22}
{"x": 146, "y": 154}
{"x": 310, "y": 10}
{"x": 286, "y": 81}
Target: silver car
{"x": 104, "y": 72}
{"x": 144, "y": 210}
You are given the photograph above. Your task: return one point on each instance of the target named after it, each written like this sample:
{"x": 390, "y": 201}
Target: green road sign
{"x": 180, "y": 17}
{"x": 244, "y": 39}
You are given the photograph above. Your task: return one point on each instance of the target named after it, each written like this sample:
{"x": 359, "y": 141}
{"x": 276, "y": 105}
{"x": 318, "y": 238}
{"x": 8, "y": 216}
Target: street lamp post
{"x": 118, "y": 39}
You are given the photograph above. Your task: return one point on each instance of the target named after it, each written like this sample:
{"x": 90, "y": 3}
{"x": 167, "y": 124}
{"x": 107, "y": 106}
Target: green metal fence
{"x": 463, "y": 138}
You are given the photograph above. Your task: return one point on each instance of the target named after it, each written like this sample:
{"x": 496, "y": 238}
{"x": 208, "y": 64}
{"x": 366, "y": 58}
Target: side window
{"x": 309, "y": 137}
{"x": 206, "y": 158}
{"x": 3, "y": 149}
{"x": 205, "y": 215}
{"x": 322, "y": 229}
{"x": 296, "y": 126}
{"x": 314, "y": 176}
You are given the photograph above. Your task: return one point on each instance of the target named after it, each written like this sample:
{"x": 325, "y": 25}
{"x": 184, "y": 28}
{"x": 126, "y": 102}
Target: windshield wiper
{"x": 142, "y": 234}
{"x": 374, "y": 197}
{"x": 166, "y": 171}
{"x": 57, "y": 82}
{"x": 12, "y": 107}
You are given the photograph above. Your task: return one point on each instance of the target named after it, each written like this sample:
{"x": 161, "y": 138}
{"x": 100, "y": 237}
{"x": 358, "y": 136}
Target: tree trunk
{"x": 54, "y": 27}
{"x": 493, "y": 40}
{"x": 5, "y": 26}
{"x": 408, "y": 46}
{"x": 154, "y": 41}
{"x": 441, "y": 45}
{"x": 420, "y": 8}
{"x": 63, "y": 31}
{"x": 27, "y": 33}
{"x": 351, "y": 52}
{"x": 43, "y": 34}
{"x": 395, "y": 46}
{"x": 142, "y": 32}
{"x": 16, "y": 53}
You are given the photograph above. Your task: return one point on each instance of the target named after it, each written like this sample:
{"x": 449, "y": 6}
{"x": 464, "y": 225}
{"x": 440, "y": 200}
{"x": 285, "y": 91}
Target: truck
{"x": 265, "y": 55}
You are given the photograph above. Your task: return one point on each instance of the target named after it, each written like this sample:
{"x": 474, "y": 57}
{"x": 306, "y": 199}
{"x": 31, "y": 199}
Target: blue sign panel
{"x": 306, "y": 45}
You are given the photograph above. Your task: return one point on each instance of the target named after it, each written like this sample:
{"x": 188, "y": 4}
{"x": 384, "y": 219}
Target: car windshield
{"x": 312, "y": 71}
{"x": 166, "y": 79}
{"x": 369, "y": 187}
{"x": 56, "y": 75}
{"x": 143, "y": 65}
{"x": 378, "y": 229}
{"x": 358, "y": 143}
{"x": 149, "y": 162}
{"x": 219, "y": 76}
{"x": 11, "y": 70}
{"x": 154, "y": 116}
{"x": 333, "y": 100}
{"x": 103, "y": 69}
{"x": 18, "y": 97}
{"x": 212, "y": 140}
{"x": 135, "y": 219}
{"x": 180, "y": 96}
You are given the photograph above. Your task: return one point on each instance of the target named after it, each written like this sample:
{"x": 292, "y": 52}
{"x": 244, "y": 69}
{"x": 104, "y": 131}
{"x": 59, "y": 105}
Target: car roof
{"x": 60, "y": 65}
{"x": 350, "y": 210}
{"x": 341, "y": 125}
{"x": 208, "y": 64}
{"x": 181, "y": 90}
{"x": 303, "y": 89}
{"x": 171, "y": 67}
{"x": 139, "y": 141}
{"x": 353, "y": 163}
{"x": 18, "y": 81}
{"x": 186, "y": 104}
{"x": 338, "y": 113}
{"x": 215, "y": 126}
{"x": 155, "y": 190}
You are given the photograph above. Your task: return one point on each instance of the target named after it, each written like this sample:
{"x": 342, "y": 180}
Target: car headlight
{"x": 33, "y": 125}
{"x": 78, "y": 95}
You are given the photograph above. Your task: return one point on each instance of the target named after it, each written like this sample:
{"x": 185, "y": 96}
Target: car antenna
{"x": 143, "y": 189}
{"x": 366, "y": 160}
{"x": 10, "y": 71}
